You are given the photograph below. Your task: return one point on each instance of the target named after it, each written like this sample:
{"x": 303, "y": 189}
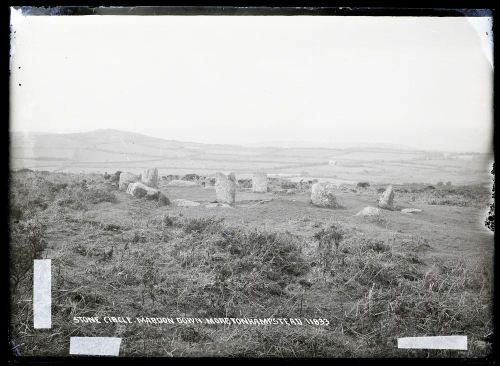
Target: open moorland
{"x": 271, "y": 255}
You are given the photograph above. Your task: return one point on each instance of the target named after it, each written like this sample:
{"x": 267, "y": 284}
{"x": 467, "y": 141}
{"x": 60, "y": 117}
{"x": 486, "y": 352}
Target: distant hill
{"x": 109, "y": 150}
{"x": 305, "y": 144}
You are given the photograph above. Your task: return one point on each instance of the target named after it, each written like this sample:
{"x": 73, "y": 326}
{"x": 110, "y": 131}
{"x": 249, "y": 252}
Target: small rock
{"x": 185, "y": 203}
{"x": 369, "y": 211}
{"x": 182, "y": 183}
{"x": 215, "y": 205}
{"x": 410, "y": 210}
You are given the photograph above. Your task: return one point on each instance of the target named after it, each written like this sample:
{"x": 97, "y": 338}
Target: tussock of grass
{"x": 31, "y": 192}
{"x": 78, "y": 197}
{"x": 238, "y": 265}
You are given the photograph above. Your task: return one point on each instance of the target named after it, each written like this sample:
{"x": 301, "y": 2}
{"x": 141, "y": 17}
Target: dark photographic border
{"x": 436, "y": 9}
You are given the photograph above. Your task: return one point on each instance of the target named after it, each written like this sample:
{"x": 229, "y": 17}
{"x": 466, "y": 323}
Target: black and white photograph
{"x": 269, "y": 184}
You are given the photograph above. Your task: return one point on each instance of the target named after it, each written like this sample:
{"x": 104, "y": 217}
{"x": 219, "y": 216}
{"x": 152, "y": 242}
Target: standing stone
{"x": 225, "y": 188}
{"x": 259, "y": 182}
{"x": 387, "y": 198}
{"x": 323, "y": 195}
{"x": 150, "y": 177}
{"x": 126, "y": 179}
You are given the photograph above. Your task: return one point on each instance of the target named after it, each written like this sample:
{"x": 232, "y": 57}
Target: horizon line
{"x": 263, "y": 144}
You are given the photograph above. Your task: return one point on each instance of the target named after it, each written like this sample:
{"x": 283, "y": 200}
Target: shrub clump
{"x": 77, "y": 196}
{"x": 245, "y": 183}
{"x": 27, "y": 243}
{"x": 328, "y": 238}
{"x": 191, "y": 177}
{"x": 236, "y": 264}
{"x": 363, "y": 184}
{"x": 30, "y": 193}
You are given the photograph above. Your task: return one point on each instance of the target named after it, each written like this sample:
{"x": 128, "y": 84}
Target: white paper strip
{"x": 94, "y": 346}
{"x": 42, "y": 296}
{"x": 438, "y": 342}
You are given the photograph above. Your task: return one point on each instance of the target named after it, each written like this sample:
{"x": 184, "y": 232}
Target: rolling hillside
{"x": 110, "y": 150}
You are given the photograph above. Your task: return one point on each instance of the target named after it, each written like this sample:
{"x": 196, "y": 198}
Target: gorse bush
{"x": 236, "y": 264}
{"x": 200, "y": 225}
{"x": 191, "y": 177}
{"x": 328, "y": 238}
{"x": 27, "y": 243}
{"x": 98, "y": 195}
{"x": 31, "y": 192}
{"x": 245, "y": 183}
{"x": 78, "y": 197}
{"x": 287, "y": 184}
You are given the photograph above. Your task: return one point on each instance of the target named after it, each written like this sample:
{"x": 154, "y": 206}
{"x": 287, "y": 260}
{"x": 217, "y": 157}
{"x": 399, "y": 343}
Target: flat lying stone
{"x": 182, "y": 183}
{"x": 140, "y": 190}
{"x": 369, "y": 211}
{"x": 410, "y": 210}
{"x": 215, "y": 205}
{"x": 185, "y": 203}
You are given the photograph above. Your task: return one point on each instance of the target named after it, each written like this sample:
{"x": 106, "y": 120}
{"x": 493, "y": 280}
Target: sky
{"x": 421, "y": 82}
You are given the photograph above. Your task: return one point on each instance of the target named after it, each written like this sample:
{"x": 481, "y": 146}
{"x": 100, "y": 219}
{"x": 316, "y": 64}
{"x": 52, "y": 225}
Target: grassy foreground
{"x": 174, "y": 266}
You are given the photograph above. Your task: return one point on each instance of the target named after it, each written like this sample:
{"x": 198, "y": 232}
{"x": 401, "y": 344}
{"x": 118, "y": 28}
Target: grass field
{"x": 273, "y": 255}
